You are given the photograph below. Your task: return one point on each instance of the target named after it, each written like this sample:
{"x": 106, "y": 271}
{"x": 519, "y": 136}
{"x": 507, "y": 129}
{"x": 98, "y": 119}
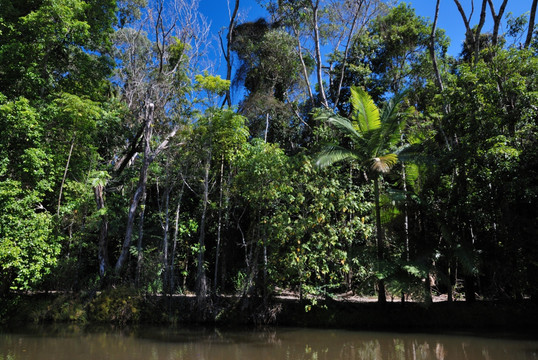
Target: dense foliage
{"x": 120, "y": 167}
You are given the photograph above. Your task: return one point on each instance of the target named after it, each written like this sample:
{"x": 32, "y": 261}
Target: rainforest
{"x": 153, "y": 171}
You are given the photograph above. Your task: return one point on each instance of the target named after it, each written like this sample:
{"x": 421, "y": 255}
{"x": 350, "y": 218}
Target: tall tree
{"x": 155, "y": 88}
{"x": 373, "y": 137}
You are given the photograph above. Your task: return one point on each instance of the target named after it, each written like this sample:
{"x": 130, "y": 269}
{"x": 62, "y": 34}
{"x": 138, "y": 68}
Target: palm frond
{"x": 340, "y": 123}
{"x": 392, "y": 122}
{"x": 345, "y": 126}
{"x": 332, "y": 154}
{"x": 391, "y": 109}
{"x": 383, "y": 164}
{"x": 366, "y": 112}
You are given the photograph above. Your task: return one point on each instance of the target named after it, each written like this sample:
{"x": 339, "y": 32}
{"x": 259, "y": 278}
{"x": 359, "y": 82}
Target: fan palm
{"x": 372, "y": 134}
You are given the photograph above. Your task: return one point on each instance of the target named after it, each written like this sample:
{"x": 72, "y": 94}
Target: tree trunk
{"x": 140, "y": 190}
{"x": 102, "y": 253}
{"x": 381, "y": 296}
{"x": 470, "y": 279}
{"x": 438, "y": 78}
{"x": 530, "y": 30}
{"x": 140, "y": 253}
{"x": 166, "y": 228}
{"x": 406, "y": 219}
{"x": 346, "y": 52}
{"x": 473, "y": 37}
{"x": 315, "y": 12}
{"x": 451, "y": 280}
{"x": 496, "y": 20}
{"x": 219, "y": 226}
{"x": 201, "y": 278}
{"x": 228, "y": 98}
{"x": 305, "y": 70}
{"x": 174, "y": 246}
{"x": 65, "y": 175}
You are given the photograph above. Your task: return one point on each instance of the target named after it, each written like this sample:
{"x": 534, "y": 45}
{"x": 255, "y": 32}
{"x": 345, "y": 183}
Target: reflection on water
{"x": 71, "y": 343}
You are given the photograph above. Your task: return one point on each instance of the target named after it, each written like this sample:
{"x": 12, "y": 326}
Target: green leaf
{"x": 366, "y": 113}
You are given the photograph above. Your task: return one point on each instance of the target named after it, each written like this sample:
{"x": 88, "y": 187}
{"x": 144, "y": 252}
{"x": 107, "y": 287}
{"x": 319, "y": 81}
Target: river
{"x": 153, "y": 343}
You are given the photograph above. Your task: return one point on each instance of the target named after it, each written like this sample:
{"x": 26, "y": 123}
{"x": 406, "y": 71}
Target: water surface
{"x": 153, "y": 343}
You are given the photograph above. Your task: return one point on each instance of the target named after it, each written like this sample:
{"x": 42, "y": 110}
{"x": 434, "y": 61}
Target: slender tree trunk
{"x": 102, "y": 253}
{"x": 315, "y": 12}
{"x": 346, "y": 51}
{"x": 532, "y": 18}
{"x": 451, "y": 280}
{"x": 266, "y": 127}
{"x": 406, "y": 218}
{"x": 470, "y": 278}
{"x": 467, "y": 236}
{"x": 305, "y": 70}
{"x": 224, "y": 262}
{"x": 201, "y": 279}
{"x": 265, "y": 272}
{"x": 432, "y": 49}
{"x": 174, "y": 246}
{"x": 140, "y": 253}
{"x": 219, "y": 226}
{"x": 438, "y": 78}
{"x": 65, "y": 175}
{"x": 381, "y": 296}
{"x": 166, "y": 228}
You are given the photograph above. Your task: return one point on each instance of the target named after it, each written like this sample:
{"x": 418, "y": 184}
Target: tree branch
{"x": 496, "y": 19}
{"x": 530, "y": 31}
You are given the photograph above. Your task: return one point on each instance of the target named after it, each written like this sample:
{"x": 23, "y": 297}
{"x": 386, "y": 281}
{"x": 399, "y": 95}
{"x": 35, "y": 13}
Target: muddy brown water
{"x": 153, "y": 343}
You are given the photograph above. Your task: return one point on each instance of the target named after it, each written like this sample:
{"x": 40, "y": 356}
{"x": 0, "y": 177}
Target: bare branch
{"x": 473, "y": 37}
{"x": 496, "y": 19}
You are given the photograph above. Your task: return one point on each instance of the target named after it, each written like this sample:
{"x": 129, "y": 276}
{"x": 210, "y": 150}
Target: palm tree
{"x": 372, "y": 136}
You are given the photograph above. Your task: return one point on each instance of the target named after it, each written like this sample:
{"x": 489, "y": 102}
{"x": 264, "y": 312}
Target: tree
{"x": 28, "y": 247}
{"x": 373, "y": 137}
{"x": 270, "y": 71}
{"x": 155, "y": 89}
{"x": 54, "y": 78}
{"x": 490, "y": 117}
{"x": 319, "y": 24}
{"x": 55, "y": 46}
{"x": 261, "y": 182}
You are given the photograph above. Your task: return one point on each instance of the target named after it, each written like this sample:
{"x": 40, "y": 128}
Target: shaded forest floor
{"x": 346, "y": 311}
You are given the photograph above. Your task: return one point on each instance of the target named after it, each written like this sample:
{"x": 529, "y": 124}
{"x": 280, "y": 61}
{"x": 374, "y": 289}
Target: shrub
{"x": 118, "y": 306}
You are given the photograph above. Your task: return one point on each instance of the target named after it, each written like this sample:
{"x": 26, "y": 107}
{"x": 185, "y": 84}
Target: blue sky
{"x": 449, "y": 18}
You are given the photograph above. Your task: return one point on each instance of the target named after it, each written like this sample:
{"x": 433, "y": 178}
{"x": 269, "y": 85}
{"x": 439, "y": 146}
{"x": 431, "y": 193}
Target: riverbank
{"x": 122, "y": 307}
